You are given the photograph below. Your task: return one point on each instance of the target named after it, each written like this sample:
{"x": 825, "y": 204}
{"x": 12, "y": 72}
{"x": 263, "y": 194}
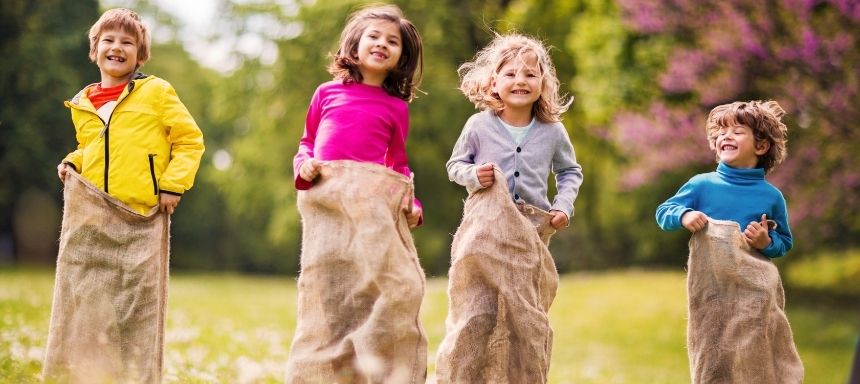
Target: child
{"x": 749, "y": 140}
{"x": 361, "y": 285}
{"x": 730, "y": 284}
{"x": 502, "y": 279}
{"x": 138, "y": 152}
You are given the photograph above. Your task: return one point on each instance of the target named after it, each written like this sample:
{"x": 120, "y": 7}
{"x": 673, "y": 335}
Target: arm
{"x": 186, "y": 145}
{"x": 568, "y": 177}
{"x": 781, "y": 239}
{"x": 669, "y": 213}
{"x": 74, "y": 159}
{"x": 397, "y": 160}
{"x": 306, "y": 144}
{"x": 461, "y": 166}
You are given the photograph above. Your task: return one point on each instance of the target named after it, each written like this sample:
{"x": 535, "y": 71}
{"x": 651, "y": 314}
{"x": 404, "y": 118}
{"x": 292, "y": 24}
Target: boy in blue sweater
{"x": 749, "y": 140}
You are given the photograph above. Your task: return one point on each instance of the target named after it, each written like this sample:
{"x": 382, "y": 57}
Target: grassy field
{"x": 614, "y": 327}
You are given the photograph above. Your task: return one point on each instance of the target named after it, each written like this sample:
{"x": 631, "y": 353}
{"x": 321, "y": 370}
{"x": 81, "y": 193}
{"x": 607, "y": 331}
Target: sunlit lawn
{"x": 615, "y": 327}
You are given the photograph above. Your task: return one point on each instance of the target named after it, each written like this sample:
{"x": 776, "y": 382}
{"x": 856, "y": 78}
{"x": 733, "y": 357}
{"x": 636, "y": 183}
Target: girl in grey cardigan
{"x": 502, "y": 279}
{"x": 514, "y": 83}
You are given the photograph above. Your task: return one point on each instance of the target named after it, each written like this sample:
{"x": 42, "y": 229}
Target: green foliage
{"x": 836, "y": 272}
{"x": 44, "y": 49}
{"x": 620, "y": 327}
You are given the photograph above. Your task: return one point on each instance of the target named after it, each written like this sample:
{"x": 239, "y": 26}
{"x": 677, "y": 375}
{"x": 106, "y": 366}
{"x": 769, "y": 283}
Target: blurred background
{"x": 644, "y": 74}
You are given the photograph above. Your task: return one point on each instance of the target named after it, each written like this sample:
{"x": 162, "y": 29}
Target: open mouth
{"x": 728, "y": 147}
{"x": 379, "y": 55}
{"x": 116, "y": 58}
{"x": 520, "y": 92}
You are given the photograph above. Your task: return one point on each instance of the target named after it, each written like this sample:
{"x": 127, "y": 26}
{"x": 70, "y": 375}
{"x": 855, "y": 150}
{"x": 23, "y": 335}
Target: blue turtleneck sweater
{"x": 741, "y": 195}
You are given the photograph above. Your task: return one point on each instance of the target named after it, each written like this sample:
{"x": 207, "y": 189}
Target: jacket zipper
{"x": 152, "y": 173}
{"x": 106, "y": 133}
{"x": 107, "y": 150}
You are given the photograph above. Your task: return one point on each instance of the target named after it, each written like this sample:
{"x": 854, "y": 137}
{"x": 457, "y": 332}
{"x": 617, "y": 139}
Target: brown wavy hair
{"x": 124, "y": 20}
{"x": 765, "y": 120}
{"x": 403, "y": 80}
{"x": 476, "y": 76}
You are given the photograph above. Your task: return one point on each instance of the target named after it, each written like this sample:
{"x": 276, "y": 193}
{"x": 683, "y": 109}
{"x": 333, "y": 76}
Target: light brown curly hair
{"x": 765, "y": 120}
{"x": 476, "y": 76}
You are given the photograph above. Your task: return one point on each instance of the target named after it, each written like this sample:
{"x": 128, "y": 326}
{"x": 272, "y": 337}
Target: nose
{"x": 520, "y": 78}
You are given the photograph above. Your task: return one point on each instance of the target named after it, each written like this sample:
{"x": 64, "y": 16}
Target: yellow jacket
{"x": 150, "y": 143}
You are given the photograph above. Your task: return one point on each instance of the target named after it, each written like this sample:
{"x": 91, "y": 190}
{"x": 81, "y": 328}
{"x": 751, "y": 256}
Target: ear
{"x": 762, "y": 147}
{"x": 493, "y": 84}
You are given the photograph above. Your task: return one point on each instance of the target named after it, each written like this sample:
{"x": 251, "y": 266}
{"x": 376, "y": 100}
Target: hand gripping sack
{"x": 107, "y": 317}
{"x": 737, "y": 331}
{"x": 361, "y": 286}
{"x": 501, "y": 284}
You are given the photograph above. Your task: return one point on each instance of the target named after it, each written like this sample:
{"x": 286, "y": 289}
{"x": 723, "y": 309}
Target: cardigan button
{"x": 517, "y": 174}
{"x": 519, "y": 149}
{"x": 516, "y": 196}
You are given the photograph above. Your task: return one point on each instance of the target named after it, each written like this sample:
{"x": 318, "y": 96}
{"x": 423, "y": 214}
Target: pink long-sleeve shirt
{"x": 354, "y": 122}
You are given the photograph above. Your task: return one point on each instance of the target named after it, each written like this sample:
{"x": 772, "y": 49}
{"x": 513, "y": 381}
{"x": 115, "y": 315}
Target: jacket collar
{"x": 137, "y": 77}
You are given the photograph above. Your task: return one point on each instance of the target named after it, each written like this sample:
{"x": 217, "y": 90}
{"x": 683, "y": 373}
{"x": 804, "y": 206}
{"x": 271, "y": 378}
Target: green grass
{"x": 614, "y": 327}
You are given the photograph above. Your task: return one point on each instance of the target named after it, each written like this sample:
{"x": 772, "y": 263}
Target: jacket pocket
{"x": 152, "y": 173}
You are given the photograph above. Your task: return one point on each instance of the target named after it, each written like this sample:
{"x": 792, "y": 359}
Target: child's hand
{"x": 559, "y": 219}
{"x": 61, "y": 171}
{"x": 694, "y": 221}
{"x": 756, "y": 234}
{"x": 413, "y": 216}
{"x": 167, "y": 203}
{"x": 486, "y": 175}
{"x": 309, "y": 170}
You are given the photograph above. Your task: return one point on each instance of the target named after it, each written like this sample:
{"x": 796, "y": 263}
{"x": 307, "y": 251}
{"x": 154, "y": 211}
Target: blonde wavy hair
{"x": 765, "y": 120}
{"x": 476, "y": 76}
{"x": 124, "y": 20}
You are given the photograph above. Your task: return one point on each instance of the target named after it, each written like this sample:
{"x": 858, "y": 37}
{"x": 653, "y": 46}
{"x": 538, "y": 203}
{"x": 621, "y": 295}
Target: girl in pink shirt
{"x": 363, "y": 114}
{"x": 361, "y": 285}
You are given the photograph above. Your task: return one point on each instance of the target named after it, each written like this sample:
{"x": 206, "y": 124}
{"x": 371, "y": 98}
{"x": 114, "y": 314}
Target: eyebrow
{"x": 380, "y": 32}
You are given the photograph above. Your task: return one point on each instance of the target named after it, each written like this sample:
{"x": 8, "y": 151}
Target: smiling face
{"x": 518, "y": 83}
{"x": 379, "y": 50}
{"x": 736, "y": 146}
{"x": 116, "y": 56}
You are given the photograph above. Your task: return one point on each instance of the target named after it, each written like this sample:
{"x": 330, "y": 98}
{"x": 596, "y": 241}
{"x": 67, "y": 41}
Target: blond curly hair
{"x": 476, "y": 76}
{"x": 765, "y": 120}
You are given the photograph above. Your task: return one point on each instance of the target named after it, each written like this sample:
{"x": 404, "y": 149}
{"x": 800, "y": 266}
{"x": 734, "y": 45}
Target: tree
{"x": 44, "y": 47}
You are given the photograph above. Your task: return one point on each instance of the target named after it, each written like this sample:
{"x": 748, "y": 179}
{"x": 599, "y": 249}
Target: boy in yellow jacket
{"x": 138, "y": 152}
{"x": 136, "y": 140}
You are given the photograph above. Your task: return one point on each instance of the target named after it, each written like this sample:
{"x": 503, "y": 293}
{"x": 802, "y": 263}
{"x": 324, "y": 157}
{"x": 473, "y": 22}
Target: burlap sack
{"x": 107, "y": 318}
{"x": 361, "y": 286}
{"x": 737, "y": 331}
{"x": 501, "y": 284}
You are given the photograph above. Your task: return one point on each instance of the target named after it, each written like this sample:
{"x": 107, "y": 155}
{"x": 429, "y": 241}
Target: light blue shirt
{"x": 741, "y": 195}
{"x": 545, "y": 147}
{"x": 517, "y": 133}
